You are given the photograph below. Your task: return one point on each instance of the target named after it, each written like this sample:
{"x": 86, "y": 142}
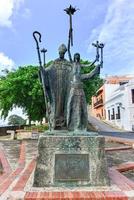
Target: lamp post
{"x": 44, "y": 52}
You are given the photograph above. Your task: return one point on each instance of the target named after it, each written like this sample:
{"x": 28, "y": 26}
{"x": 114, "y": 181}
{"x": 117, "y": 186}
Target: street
{"x": 107, "y": 130}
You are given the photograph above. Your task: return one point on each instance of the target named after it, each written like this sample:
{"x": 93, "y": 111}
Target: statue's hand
{"x": 94, "y": 72}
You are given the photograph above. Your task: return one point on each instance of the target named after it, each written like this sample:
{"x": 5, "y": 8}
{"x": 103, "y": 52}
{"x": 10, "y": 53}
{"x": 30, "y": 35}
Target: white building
{"x": 119, "y": 105}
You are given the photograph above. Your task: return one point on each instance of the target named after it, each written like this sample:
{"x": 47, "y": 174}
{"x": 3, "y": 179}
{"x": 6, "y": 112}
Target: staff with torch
{"x": 42, "y": 72}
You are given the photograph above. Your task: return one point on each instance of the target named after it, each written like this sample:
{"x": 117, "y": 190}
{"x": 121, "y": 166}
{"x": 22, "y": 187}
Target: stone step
{"x": 31, "y": 149}
{"x": 12, "y": 151}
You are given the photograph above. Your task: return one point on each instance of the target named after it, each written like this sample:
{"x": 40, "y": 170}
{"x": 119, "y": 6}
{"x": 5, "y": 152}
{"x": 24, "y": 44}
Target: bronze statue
{"x": 63, "y": 87}
{"x": 77, "y": 117}
{"x": 58, "y": 78}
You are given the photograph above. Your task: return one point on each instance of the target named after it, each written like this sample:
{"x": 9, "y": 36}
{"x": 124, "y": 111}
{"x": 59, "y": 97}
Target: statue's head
{"x": 76, "y": 57}
{"x": 62, "y": 50}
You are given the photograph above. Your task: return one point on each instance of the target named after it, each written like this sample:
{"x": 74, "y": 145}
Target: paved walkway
{"x": 107, "y": 130}
{"x": 17, "y": 180}
{"x": 126, "y": 135}
{"x": 101, "y": 126}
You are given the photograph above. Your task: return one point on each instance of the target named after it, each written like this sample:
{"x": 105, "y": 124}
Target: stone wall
{"x": 3, "y": 130}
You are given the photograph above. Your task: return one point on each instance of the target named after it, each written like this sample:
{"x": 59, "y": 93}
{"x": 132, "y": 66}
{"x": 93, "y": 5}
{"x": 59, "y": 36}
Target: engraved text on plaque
{"x": 71, "y": 167}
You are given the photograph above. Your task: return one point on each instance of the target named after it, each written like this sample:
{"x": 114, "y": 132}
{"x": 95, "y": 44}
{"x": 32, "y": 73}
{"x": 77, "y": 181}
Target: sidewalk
{"x": 113, "y": 126}
{"x": 120, "y": 140}
{"x": 101, "y": 126}
{"x": 17, "y": 181}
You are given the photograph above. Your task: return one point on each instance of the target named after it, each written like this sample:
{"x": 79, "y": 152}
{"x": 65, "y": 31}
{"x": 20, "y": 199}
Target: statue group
{"x": 66, "y": 101}
{"x": 62, "y": 84}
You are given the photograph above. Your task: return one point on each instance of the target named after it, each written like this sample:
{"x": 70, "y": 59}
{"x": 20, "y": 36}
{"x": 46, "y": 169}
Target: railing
{"x": 98, "y": 103}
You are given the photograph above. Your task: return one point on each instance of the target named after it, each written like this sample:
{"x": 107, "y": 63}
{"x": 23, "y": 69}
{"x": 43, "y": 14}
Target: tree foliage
{"x": 23, "y": 89}
{"x": 16, "y": 120}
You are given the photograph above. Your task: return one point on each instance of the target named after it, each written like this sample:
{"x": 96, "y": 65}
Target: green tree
{"x": 16, "y": 120}
{"x": 23, "y": 89}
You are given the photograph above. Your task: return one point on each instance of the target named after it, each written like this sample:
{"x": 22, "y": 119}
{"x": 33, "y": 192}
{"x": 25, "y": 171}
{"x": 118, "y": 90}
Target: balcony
{"x": 98, "y": 103}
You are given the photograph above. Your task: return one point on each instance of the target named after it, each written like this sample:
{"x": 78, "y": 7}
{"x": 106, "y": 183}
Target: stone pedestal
{"x": 67, "y": 159}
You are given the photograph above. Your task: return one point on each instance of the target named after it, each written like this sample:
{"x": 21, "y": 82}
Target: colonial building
{"x": 119, "y": 106}
{"x": 98, "y": 101}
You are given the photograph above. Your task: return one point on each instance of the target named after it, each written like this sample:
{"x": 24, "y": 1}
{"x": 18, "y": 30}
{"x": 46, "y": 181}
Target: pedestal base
{"x": 67, "y": 159}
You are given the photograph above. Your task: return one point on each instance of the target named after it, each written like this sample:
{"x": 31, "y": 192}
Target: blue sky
{"x": 109, "y": 21}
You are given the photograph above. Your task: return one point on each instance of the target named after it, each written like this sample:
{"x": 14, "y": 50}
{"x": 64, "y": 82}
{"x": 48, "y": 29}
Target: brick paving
{"x": 16, "y": 184}
{"x": 118, "y": 148}
{"x": 125, "y": 167}
{"x": 12, "y": 176}
{"x": 126, "y": 141}
{"x": 120, "y": 180}
{"x": 25, "y": 176}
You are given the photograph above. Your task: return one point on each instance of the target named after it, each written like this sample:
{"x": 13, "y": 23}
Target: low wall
{"x": 3, "y": 129}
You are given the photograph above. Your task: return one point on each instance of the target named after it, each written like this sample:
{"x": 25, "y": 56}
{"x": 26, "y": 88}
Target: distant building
{"x": 119, "y": 106}
{"x": 99, "y": 107}
{"x": 118, "y": 79}
{"x": 98, "y": 103}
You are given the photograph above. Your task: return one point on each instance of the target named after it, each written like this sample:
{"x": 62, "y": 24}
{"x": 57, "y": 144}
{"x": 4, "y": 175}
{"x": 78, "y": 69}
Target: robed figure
{"x": 77, "y": 117}
{"x": 57, "y": 79}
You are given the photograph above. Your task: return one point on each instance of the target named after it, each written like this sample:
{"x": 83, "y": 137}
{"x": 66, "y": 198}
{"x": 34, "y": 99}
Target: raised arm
{"x": 95, "y": 71}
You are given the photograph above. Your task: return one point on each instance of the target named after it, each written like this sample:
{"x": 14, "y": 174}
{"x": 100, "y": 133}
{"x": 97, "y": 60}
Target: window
{"x": 104, "y": 113}
{"x": 118, "y": 115}
{"x": 108, "y": 114}
{"x": 113, "y": 114}
{"x": 132, "y": 92}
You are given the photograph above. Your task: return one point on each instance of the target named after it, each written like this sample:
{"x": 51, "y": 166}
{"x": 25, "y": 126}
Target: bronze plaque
{"x": 71, "y": 167}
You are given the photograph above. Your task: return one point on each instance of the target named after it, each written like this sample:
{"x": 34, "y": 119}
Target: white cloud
{"x": 117, "y": 32}
{"x": 6, "y": 63}
{"x": 26, "y": 13}
{"x": 7, "y": 8}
